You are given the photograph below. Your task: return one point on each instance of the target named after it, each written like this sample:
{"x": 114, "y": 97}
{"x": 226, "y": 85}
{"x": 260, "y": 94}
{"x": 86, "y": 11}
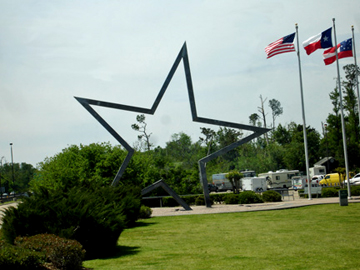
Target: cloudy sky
{"x": 121, "y": 51}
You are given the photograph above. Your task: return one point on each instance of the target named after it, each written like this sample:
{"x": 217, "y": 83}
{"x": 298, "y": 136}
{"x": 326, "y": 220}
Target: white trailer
{"x": 257, "y": 184}
{"x": 224, "y": 184}
{"x": 279, "y": 179}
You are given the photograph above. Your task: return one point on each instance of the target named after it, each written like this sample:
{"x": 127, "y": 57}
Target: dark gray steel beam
{"x": 169, "y": 190}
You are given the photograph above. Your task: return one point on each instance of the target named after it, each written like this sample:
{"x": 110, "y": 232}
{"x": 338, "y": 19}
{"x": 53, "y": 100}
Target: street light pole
{"x": 12, "y": 162}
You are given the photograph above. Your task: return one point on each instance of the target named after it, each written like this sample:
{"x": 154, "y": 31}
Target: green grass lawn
{"x": 312, "y": 237}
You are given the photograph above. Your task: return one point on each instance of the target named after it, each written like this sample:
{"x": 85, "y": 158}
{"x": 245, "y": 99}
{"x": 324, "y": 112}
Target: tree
{"x": 261, "y": 110}
{"x": 209, "y": 138}
{"x": 144, "y": 138}
{"x": 333, "y": 142}
{"x": 276, "y": 109}
{"x": 23, "y": 174}
{"x": 253, "y": 119}
{"x": 226, "y": 136}
{"x": 234, "y": 178}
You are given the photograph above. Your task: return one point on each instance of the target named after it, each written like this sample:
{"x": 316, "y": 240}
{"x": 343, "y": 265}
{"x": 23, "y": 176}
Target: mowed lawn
{"x": 312, "y": 237}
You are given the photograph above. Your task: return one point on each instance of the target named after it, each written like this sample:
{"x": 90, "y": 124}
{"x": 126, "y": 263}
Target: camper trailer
{"x": 224, "y": 184}
{"x": 257, "y": 184}
{"x": 279, "y": 179}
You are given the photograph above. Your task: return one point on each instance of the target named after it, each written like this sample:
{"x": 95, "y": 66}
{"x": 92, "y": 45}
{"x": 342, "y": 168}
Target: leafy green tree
{"x": 332, "y": 143}
{"x": 23, "y": 174}
{"x": 234, "y": 178}
{"x": 226, "y": 136}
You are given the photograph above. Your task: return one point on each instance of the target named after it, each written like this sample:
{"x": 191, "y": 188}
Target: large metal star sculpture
{"x": 183, "y": 55}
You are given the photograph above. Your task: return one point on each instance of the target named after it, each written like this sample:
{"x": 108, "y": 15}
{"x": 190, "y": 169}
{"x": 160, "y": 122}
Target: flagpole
{"x": 303, "y": 116}
{"x": 342, "y": 116}
{"x": 356, "y": 75}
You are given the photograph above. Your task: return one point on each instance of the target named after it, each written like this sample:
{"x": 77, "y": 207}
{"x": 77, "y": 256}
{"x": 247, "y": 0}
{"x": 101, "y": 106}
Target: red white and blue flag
{"x": 344, "y": 49}
{"x": 282, "y": 45}
{"x": 320, "y": 41}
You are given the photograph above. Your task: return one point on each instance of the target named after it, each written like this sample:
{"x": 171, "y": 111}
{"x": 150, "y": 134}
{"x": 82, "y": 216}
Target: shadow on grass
{"x": 142, "y": 223}
{"x": 122, "y": 251}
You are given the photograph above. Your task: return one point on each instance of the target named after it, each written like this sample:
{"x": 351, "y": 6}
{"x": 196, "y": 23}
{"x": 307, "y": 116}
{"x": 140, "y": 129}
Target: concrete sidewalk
{"x": 287, "y": 203}
{"x": 232, "y": 208}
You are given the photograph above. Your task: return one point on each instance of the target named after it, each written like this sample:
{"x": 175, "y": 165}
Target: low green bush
{"x": 200, "y": 200}
{"x": 355, "y": 190}
{"x": 61, "y": 253}
{"x": 218, "y": 197}
{"x": 246, "y": 197}
{"x": 271, "y": 196}
{"x": 329, "y": 192}
{"x": 231, "y": 198}
{"x": 12, "y": 257}
{"x": 94, "y": 216}
{"x": 145, "y": 212}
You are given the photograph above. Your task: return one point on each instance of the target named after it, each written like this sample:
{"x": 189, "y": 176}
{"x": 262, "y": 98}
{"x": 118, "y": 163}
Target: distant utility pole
{"x": 12, "y": 162}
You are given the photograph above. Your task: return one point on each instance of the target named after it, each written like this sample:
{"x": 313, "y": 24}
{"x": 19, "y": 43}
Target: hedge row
{"x": 327, "y": 192}
{"x": 244, "y": 197}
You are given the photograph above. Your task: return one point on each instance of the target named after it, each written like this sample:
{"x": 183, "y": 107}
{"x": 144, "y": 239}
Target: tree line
{"x": 177, "y": 162}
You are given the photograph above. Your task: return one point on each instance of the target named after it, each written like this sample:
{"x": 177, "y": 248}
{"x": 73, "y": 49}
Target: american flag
{"x": 282, "y": 45}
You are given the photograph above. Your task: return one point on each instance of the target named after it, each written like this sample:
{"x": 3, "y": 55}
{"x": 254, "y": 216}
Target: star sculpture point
{"x": 183, "y": 55}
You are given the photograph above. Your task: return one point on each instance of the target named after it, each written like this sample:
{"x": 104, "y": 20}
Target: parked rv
{"x": 300, "y": 182}
{"x": 257, "y": 184}
{"x": 317, "y": 170}
{"x": 220, "y": 181}
{"x": 224, "y": 184}
{"x": 280, "y": 178}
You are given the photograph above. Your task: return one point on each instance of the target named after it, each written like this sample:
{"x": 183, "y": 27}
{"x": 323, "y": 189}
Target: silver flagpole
{"x": 356, "y": 75}
{"x": 303, "y": 116}
{"x": 342, "y": 116}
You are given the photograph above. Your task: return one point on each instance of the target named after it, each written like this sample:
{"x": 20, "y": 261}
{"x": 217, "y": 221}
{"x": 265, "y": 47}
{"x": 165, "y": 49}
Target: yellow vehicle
{"x": 332, "y": 180}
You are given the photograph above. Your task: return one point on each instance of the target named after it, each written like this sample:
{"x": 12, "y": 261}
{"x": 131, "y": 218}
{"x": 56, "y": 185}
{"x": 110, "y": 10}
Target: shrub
{"x": 60, "y": 252}
{"x": 94, "y": 216}
{"x": 231, "y": 198}
{"x": 219, "y": 197}
{"x": 329, "y": 192}
{"x": 249, "y": 197}
{"x": 355, "y": 190}
{"x": 145, "y": 212}
{"x": 12, "y": 257}
{"x": 271, "y": 196}
{"x": 200, "y": 200}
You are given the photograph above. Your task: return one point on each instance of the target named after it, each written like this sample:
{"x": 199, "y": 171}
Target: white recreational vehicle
{"x": 224, "y": 184}
{"x": 317, "y": 170}
{"x": 279, "y": 179}
{"x": 221, "y": 182}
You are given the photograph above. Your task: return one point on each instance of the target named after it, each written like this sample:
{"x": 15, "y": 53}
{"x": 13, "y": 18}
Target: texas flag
{"x": 320, "y": 41}
{"x": 344, "y": 49}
